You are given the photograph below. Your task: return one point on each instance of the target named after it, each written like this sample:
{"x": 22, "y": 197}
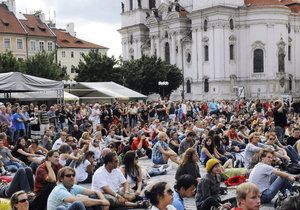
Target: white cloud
{"x": 97, "y": 27}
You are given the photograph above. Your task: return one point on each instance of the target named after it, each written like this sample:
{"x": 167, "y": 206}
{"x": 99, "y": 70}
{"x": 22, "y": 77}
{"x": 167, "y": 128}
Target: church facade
{"x": 227, "y": 49}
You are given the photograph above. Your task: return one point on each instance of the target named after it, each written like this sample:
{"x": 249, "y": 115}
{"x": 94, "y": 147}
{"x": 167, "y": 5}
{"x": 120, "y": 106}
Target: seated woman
{"x": 34, "y": 148}
{"x": 19, "y": 201}
{"x": 208, "y": 190}
{"x": 85, "y": 168}
{"x": 132, "y": 172}
{"x": 209, "y": 151}
{"x": 174, "y": 141}
{"x": 161, "y": 152}
{"x": 160, "y": 196}
{"x": 22, "y": 180}
{"x": 21, "y": 152}
{"x": 189, "y": 164}
{"x": 85, "y": 139}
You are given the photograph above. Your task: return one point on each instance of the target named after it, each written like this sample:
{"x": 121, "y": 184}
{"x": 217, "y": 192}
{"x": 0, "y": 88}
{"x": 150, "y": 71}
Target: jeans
{"x": 23, "y": 180}
{"x": 13, "y": 166}
{"x": 277, "y": 184}
{"x": 292, "y": 153}
{"x": 77, "y": 205}
{"x": 279, "y": 133}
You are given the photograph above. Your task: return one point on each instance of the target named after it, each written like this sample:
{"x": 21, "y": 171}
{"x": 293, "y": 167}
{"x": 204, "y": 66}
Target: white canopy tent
{"x": 27, "y": 86}
{"x": 104, "y": 90}
{"x": 41, "y": 96}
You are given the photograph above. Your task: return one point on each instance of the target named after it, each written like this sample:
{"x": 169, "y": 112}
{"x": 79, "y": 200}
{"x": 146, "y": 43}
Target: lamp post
{"x": 69, "y": 84}
{"x": 163, "y": 84}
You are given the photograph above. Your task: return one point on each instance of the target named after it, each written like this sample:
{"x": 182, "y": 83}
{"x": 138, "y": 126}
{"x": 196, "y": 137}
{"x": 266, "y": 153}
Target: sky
{"x": 95, "y": 21}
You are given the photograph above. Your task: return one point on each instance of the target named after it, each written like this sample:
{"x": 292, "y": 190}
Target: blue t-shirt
{"x": 157, "y": 156}
{"x": 16, "y": 124}
{"x": 178, "y": 202}
{"x": 59, "y": 193}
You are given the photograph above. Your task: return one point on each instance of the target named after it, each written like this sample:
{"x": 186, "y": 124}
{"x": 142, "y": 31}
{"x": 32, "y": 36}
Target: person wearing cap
{"x": 140, "y": 142}
{"x": 208, "y": 190}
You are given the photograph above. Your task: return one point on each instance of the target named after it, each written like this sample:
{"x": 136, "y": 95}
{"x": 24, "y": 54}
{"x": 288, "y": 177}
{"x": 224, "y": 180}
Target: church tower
{"x": 135, "y": 35}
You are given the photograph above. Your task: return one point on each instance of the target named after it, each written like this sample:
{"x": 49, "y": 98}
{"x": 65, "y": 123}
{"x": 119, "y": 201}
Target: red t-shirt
{"x": 41, "y": 176}
{"x": 136, "y": 141}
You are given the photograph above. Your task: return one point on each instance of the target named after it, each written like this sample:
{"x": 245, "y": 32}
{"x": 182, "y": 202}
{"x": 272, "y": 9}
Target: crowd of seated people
{"x": 49, "y": 153}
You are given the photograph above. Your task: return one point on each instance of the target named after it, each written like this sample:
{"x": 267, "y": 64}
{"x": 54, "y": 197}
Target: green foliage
{"x": 8, "y": 63}
{"x": 144, "y": 74}
{"x": 97, "y": 67}
{"x": 42, "y": 65}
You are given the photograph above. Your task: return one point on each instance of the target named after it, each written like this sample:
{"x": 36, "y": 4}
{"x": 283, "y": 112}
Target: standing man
{"x": 44, "y": 119}
{"x": 280, "y": 119}
{"x": 65, "y": 194}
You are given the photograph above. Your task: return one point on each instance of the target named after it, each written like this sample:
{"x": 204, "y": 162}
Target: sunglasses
{"x": 271, "y": 139}
{"x": 23, "y": 200}
{"x": 69, "y": 175}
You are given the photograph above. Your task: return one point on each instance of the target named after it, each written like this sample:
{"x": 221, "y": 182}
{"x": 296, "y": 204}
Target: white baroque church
{"x": 225, "y": 48}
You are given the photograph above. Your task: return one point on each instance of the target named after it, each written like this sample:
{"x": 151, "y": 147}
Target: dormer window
{"x": 42, "y": 28}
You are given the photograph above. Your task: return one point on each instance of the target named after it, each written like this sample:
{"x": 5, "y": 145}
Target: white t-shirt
{"x": 57, "y": 144}
{"x": 260, "y": 176}
{"x": 80, "y": 170}
{"x": 169, "y": 207}
{"x": 102, "y": 178}
{"x": 95, "y": 150}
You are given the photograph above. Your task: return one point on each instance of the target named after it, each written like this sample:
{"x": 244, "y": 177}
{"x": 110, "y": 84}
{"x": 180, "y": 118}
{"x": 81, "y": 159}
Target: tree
{"x": 42, "y": 65}
{"x": 97, "y": 67}
{"x": 8, "y": 63}
{"x": 144, "y": 74}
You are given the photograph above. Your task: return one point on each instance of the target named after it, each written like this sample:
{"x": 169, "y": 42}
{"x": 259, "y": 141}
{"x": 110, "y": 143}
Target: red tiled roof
{"x": 65, "y": 40}
{"x": 35, "y": 27}
{"x": 294, "y": 5}
{"x": 9, "y": 23}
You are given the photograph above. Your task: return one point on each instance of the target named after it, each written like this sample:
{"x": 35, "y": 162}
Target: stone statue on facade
{"x": 122, "y": 6}
{"x": 139, "y": 3}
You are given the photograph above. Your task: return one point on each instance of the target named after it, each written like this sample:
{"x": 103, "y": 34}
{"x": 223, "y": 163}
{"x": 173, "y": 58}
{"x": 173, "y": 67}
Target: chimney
{"x": 11, "y": 5}
{"x": 70, "y": 29}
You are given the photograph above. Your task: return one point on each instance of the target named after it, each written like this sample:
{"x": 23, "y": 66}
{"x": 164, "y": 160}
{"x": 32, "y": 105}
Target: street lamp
{"x": 69, "y": 84}
{"x": 163, "y": 84}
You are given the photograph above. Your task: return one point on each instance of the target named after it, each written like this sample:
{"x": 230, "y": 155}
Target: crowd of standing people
{"x": 51, "y": 151}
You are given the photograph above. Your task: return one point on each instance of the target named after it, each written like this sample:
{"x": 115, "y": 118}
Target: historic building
{"x": 225, "y": 48}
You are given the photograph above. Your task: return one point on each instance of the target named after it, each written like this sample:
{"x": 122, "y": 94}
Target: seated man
{"x": 11, "y": 163}
{"x": 252, "y": 147}
{"x": 141, "y": 142}
{"x": 110, "y": 180}
{"x": 185, "y": 188}
{"x": 65, "y": 194}
{"x": 247, "y": 197}
{"x": 269, "y": 179}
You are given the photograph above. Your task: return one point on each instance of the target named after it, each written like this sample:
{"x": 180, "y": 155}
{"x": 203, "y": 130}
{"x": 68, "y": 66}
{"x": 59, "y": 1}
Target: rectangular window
{"x": 289, "y": 52}
{"x": 7, "y": 43}
{"x": 231, "y": 52}
{"x": 72, "y": 54}
{"x": 32, "y": 45}
{"x": 19, "y": 44}
{"x": 63, "y": 54}
{"x": 206, "y": 53}
{"x": 72, "y": 69}
{"x": 50, "y": 46}
{"x": 42, "y": 46}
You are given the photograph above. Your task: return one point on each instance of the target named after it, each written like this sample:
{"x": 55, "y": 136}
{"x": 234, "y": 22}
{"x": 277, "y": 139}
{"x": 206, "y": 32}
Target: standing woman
{"x": 19, "y": 201}
{"x": 160, "y": 196}
{"x": 132, "y": 172}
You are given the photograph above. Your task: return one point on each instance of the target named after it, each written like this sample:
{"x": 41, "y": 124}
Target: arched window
{"x": 131, "y": 39}
{"x": 130, "y": 4}
{"x": 167, "y": 52}
{"x": 151, "y": 4}
{"x": 188, "y": 86}
{"x": 205, "y": 24}
{"x": 206, "y": 86}
{"x": 231, "y": 24}
{"x": 231, "y": 52}
{"x": 289, "y": 52}
{"x": 166, "y": 35}
{"x": 258, "y": 61}
{"x": 206, "y": 53}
